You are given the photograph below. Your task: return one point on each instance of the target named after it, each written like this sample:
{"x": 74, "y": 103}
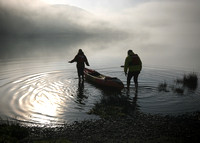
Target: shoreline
{"x": 138, "y": 128}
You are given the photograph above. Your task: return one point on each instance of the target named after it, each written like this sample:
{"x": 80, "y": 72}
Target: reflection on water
{"x": 80, "y": 93}
{"x": 50, "y": 92}
{"x": 57, "y": 95}
{"x": 134, "y": 99}
{"x": 116, "y": 104}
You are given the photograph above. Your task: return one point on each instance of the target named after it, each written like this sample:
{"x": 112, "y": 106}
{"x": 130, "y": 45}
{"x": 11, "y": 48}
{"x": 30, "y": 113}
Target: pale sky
{"x": 99, "y": 6}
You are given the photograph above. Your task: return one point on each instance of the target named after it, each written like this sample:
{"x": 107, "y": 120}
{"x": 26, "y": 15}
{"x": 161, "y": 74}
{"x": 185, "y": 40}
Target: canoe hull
{"x": 102, "y": 80}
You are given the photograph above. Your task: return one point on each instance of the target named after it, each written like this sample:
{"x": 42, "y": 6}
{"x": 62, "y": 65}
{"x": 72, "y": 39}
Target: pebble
{"x": 140, "y": 128}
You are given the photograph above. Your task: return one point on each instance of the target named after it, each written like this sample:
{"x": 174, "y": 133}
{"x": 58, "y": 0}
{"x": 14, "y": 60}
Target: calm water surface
{"x": 47, "y": 91}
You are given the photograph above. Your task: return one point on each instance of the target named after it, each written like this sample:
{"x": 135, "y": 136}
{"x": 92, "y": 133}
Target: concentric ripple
{"x": 42, "y": 98}
{"x": 54, "y": 95}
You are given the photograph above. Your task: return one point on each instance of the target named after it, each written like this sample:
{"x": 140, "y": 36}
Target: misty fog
{"x": 161, "y": 32}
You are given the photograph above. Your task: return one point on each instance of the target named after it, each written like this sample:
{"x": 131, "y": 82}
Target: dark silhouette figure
{"x": 81, "y": 60}
{"x": 132, "y": 65}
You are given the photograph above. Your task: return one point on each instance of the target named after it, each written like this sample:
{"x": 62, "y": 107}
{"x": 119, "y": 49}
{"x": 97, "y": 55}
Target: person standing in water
{"x": 132, "y": 65}
{"x": 81, "y": 60}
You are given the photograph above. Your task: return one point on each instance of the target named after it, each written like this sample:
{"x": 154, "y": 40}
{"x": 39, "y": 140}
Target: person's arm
{"x": 86, "y": 61}
{"x": 73, "y": 60}
{"x": 126, "y": 66}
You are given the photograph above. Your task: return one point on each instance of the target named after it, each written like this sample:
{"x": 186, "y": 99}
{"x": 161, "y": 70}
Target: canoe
{"x": 102, "y": 80}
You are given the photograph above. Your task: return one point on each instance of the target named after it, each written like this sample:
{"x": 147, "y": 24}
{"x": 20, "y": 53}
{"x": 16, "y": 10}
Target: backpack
{"x": 135, "y": 60}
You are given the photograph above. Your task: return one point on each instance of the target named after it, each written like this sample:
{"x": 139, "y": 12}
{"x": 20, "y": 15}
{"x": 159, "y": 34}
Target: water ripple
{"x": 41, "y": 97}
{"x": 56, "y": 96}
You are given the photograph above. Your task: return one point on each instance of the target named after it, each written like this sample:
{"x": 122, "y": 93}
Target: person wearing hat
{"x": 132, "y": 68}
{"x": 81, "y": 60}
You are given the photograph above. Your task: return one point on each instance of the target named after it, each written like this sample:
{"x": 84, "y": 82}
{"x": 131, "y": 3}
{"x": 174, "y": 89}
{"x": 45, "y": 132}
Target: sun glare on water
{"x": 40, "y": 98}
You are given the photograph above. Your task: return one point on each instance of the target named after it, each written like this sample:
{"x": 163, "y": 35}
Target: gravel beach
{"x": 135, "y": 129}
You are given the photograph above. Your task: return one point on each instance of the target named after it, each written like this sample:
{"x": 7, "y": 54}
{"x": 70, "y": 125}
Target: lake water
{"x": 46, "y": 90}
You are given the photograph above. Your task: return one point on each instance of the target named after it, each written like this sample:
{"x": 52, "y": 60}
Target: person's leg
{"x": 136, "y": 74}
{"x": 130, "y": 75}
{"x": 82, "y": 73}
{"x": 82, "y": 77}
{"x": 136, "y": 78}
{"x": 80, "y": 70}
{"x": 79, "y": 76}
{"x": 79, "y": 73}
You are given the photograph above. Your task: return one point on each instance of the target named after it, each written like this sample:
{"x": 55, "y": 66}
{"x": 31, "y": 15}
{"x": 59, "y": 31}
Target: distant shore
{"x": 138, "y": 128}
